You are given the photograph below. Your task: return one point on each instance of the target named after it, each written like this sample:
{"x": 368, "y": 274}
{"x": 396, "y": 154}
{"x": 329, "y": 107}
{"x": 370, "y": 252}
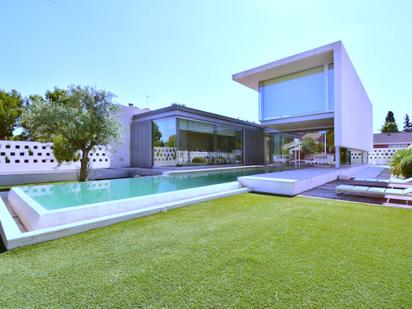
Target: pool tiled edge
{"x": 13, "y": 237}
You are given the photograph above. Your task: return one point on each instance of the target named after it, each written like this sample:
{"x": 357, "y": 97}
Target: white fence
{"x": 383, "y": 156}
{"x": 168, "y": 156}
{"x": 32, "y": 156}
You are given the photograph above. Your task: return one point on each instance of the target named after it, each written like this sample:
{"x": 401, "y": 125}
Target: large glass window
{"x": 297, "y": 94}
{"x": 178, "y": 141}
{"x": 300, "y": 148}
{"x": 164, "y": 142}
{"x": 206, "y": 143}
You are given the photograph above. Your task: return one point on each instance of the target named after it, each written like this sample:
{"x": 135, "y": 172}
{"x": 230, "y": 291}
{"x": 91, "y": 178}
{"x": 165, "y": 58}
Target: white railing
{"x": 32, "y": 156}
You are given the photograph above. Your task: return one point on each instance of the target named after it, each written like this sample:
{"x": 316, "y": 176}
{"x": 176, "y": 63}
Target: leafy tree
{"x": 390, "y": 124}
{"x": 171, "y": 142}
{"x": 157, "y": 136}
{"x": 397, "y": 159}
{"x": 75, "y": 120}
{"x": 407, "y": 125}
{"x": 390, "y": 117}
{"x": 11, "y": 104}
{"x": 310, "y": 146}
{"x": 390, "y": 127}
{"x": 406, "y": 166}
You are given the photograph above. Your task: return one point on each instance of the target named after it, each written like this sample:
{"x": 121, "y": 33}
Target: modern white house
{"x": 313, "y": 111}
{"x": 313, "y": 108}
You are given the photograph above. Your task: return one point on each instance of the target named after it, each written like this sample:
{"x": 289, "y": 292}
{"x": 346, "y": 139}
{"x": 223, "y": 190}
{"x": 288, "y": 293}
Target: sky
{"x": 154, "y": 53}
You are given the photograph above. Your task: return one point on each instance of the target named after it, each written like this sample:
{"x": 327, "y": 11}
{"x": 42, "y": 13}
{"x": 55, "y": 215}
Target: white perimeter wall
{"x": 35, "y": 156}
{"x": 353, "y": 110}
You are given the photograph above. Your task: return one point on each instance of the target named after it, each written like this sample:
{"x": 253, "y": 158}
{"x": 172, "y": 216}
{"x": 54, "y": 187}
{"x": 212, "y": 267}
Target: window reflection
{"x": 301, "y": 148}
{"x": 178, "y": 141}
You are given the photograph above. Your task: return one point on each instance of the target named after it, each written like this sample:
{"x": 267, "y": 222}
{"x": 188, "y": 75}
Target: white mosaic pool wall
{"x": 30, "y": 156}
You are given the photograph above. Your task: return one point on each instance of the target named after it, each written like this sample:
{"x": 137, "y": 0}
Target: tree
{"x": 390, "y": 117}
{"x": 397, "y": 158}
{"x": 75, "y": 120}
{"x": 11, "y": 104}
{"x": 310, "y": 146}
{"x": 390, "y": 124}
{"x": 407, "y": 125}
{"x": 390, "y": 127}
{"x": 157, "y": 136}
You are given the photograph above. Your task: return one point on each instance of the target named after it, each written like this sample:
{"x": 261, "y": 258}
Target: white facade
{"x": 314, "y": 90}
{"x": 353, "y": 110}
{"x": 120, "y": 152}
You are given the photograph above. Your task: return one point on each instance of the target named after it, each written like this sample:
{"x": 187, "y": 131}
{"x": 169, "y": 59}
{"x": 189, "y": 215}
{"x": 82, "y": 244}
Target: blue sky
{"x": 186, "y": 51}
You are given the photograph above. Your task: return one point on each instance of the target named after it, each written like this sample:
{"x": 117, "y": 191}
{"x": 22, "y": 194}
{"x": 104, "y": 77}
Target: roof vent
{"x": 130, "y": 104}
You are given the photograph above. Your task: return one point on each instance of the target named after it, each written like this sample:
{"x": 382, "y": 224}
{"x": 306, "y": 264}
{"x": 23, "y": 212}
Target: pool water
{"x": 65, "y": 195}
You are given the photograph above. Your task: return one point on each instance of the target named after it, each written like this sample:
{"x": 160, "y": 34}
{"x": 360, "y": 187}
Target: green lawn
{"x": 242, "y": 251}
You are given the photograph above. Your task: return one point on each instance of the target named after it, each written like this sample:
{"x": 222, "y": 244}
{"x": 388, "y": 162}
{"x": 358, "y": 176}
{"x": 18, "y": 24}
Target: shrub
{"x": 199, "y": 160}
{"x": 406, "y": 166}
{"x": 396, "y": 160}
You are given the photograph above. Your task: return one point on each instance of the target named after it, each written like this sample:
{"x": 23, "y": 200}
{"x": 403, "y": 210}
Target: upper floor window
{"x": 301, "y": 93}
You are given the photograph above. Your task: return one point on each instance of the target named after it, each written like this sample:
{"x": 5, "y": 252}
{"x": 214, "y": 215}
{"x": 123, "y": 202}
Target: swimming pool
{"x": 65, "y": 195}
{"x": 73, "y": 206}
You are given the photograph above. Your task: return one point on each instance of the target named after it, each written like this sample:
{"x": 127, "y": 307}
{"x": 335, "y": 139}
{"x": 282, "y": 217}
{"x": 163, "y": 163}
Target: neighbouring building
{"x": 313, "y": 108}
{"x": 386, "y": 144}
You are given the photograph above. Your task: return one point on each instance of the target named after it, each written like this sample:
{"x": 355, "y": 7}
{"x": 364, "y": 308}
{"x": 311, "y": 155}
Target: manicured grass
{"x": 243, "y": 251}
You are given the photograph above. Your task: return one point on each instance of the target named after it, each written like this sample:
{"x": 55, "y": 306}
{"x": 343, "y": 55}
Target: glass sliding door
{"x": 229, "y": 146}
{"x": 311, "y": 147}
{"x": 195, "y": 142}
{"x": 207, "y": 143}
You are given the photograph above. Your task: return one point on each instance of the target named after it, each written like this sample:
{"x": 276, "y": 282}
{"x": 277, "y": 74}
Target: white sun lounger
{"x": 391, "y": 183}
{"x": 378, "y": 192}
{"x": 392, "y": 180}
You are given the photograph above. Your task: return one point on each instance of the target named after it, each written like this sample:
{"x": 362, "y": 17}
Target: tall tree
{"x": 390, "y": 117}
{"x": 390, "y": 124}
{"x": 407, "y": 125}
{"x": 11, "y": 104}
{"x": 76, "y": 120}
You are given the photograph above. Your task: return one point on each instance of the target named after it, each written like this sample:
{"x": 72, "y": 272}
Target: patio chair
{"x": 377, "y": 192}
{"x": 389, "y": 183}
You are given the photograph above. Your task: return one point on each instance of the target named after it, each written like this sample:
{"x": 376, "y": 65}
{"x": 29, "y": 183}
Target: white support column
{"x": 337, "y": 157}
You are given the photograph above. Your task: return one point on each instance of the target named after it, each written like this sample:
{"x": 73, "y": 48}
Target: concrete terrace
{"x": 294, "y": 182}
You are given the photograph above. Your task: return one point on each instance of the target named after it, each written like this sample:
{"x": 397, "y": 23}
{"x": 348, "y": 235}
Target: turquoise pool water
{"x": 65, "y": 195}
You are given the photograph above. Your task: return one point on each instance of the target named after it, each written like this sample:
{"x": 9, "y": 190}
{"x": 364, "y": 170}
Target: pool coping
{"x": 211, "y": 169}
{"x": 13, "y": 237}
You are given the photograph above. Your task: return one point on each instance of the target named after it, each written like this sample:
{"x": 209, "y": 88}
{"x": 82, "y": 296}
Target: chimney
{"x": 130, "y": 104}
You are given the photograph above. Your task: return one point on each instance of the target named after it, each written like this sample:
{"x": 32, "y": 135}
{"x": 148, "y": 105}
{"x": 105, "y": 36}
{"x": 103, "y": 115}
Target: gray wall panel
{"x": 254, "y": 146}
{"x": 141, "y": 144}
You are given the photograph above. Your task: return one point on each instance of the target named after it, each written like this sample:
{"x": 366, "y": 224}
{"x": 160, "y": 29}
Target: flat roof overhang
{"x": 296, "y": 63}
{"x": 176, "y": 110}
{"x": 316, "y": 121}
